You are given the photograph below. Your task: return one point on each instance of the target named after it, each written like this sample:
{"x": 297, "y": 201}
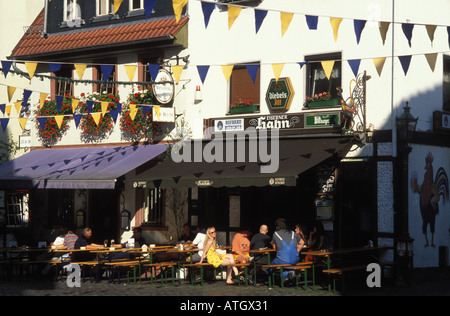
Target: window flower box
{"x": 321, "y": 100}
{"x": 243, "y": 106}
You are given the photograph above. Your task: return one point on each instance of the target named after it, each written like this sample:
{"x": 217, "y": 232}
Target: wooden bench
{"x": 200, "y": 266}
{"x": 245, "y": 268}
{"x": 299, "y": 267}
{"x": 122, "y": 263}
{"x": 163, "y": 266}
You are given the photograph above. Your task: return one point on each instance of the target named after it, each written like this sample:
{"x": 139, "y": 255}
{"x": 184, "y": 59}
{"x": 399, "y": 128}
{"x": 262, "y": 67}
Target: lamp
{"x": 406, "y": 123}
{"x": 198, "y": 95}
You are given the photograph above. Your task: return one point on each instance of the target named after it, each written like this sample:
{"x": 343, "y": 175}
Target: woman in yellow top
{"x": 216, "y": 259}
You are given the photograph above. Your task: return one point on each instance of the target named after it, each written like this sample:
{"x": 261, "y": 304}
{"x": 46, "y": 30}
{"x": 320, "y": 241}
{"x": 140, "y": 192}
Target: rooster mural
{"x": 430, "y": 192}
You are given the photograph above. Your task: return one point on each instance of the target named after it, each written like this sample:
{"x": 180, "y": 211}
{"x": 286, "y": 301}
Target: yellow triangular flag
{"x": 75, "y": 103}
{"x": 96, "y": 117}
{"x": 157, "y": 111}
{"x": 177, "y": 70}
{"x": 131, "y": 70}
{"x": 117, "y": 4}
{"x": 17, "y": 106}
{"x": 233, "y": 13}
{"x": 11, "y": 91}
{"x": 23, "y": 122}
{"x": 178, "y": 6}
{"x": 431, "y": 58}
{"x": 335, "y": 22}
{"x": 286, "y": 19}
{"x": 227, "y": 71}
{"x": 59, "y": 120}
{"x": 277, "y": 70}
{"x": 430, "y": 30}
{"x": 31, "y": 67}
{"x": 42, "y": 98}
{"x": 80, "y": 68}
{"x": 104, "y": 107}
{"x": 379, "y": 63}
{"x": 8, "y": 110}
{"x": 133, "y": 111}
{"x": 327, "y": 66}
{"x": 384, "y": 27}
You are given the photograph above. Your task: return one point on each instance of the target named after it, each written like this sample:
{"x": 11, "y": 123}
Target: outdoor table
{"x": 261, "y": 252}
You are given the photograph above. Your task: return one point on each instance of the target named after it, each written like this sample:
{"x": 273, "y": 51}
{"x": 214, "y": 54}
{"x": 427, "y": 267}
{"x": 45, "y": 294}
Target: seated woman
{"x": 216, "y": 259}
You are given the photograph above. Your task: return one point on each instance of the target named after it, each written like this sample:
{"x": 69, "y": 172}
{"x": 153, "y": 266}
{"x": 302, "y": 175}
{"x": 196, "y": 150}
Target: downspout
{"x": 393, "y": 112}
{"x": 44, "y": 29}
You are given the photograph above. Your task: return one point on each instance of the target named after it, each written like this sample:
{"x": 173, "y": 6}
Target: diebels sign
{"x": 280, "y": 94}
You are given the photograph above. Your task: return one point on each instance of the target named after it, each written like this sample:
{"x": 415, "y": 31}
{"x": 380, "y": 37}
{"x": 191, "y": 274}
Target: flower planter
{"x": 245, "y": 109}
{"x": 323, "y": 103}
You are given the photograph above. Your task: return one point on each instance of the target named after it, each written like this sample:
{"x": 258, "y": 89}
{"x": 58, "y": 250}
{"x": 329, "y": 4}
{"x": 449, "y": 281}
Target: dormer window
{"x": 72, "y": 10}
{"x": 136, "y": 5}
{"x": 105, "y": 7}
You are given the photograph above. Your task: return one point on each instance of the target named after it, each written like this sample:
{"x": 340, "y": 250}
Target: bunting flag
{"x": 302, "y": 63}
{"x": 59, "y": 100}
{"x": 4, "y": 122}
{"x": 31, "y": 68}
{"x": 233, "y": 13}
{"x": 59, "y": 120}
{"x": 75, "y": 103}
{"x": 96, "y": 117}
{"x": 114, "y": 114}
{"x": 253, "y": 72}
{"x": 207, "y": 9}
{"x": 106, "y": 71}
{"x": 148, "y": 7}
{"x": 2, "y": 107}
{"x": 407, "y": 30}
{"x": 42, "y": 121}
{"x": 8, "y": 110}
{"x": 17, "y": 106}
{"x": 227, "y": 71}
{"x": 133, "y": 111}
{"x": 178, "y": 6}
{"x": 77, "y": 119}
{"x": 335, "y": 23}
{"x": 260, "y": 15}
{"x": 6, "y": 66}
{"x": 80, "y": 68}
{"x": 89, "y": 105}
{"x": 23, "y": 122}
{"x": 277, "y": 70}
{"x": 431, "y": 59}
{"x": 117, "y": 4}
{"x": 157, "y": 111}
{"x": 384, "y": 27}
{"x": 54, "y": 67}
{"x": 312, "y": 21}
{"x": 153, "y": 69}
{"x": 202, "y": 72}
{"x": 11, "y": 91}
{"x": 354, "y": 65}
{"x": 177, "y": 70}
{"x": 430, "y": 31}
{"x": 104, "y": 107}
{"x": 359, "y": 27}
{"x": 405, "y": 61}
{"x": 26, "y": 96}
{"x": 379, "y": 63}
{"x": 327, "y": 66}
{"x": 130, "y": 70}
{"x": 286, "y": 19}
{"x": 42, "y": 98}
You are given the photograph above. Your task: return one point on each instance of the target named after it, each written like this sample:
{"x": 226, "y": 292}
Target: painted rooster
{"x": 430, "y": 192}
{"x": 349, "y": 110}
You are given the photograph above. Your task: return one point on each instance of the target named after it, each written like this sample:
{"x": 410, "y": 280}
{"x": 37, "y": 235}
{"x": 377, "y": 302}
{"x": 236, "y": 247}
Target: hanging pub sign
{"x": 280, "y": 94}
{"x": 441, "y": 121}
{"x": 163, "y": 87}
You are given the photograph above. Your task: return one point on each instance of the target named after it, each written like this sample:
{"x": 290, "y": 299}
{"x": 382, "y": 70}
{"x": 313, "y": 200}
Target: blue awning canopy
{"x": 75, "y": 168}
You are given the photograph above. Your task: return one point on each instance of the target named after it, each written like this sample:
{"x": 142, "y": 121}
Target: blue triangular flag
{"x": 154, "y": 69}
{"x": 202, "y": 72}
{"x": 148, "y": 7}
{"x": 312, "y": 21}
{"x": 106, "y": 71}
{"x": 6, "y": 65}
{"x": 3, "y": 108}
{"x": 59, "y": 100}
{"x": 114, "y": 114}
{"x": 359, "y": 26}
{"x": 407, "y": 30}
{"x": 253, "y": 71}
{"x": 302, "y": 63}
{"x": 42, "y": 121}
{"x": 207, "y": 9}
{"x": 89, "y": 105}
{"x": 145, "y": 109}
{"x": 405, "y": 61}
{"x": 54, "y": 67}
{"x": 119, "y": 107}
{"x": 4, "y": 122}
{"x": 354, "y": 64}
{"x": 77, "y": 119}
{"x": 26, "y": 96}
{"x": 260, "y": 15}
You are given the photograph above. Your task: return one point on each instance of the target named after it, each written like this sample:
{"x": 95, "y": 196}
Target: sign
{"x": 322, "y": 120}
{"x": 230, "y": 125}
{"x": 24, "y": 141}
{"x": 162, "y": 114}
{"x": 280, "y": 94}
{"x": 163, "y": 87}
{"x": 277, "y": 181}
{"x": 441, "y": 121}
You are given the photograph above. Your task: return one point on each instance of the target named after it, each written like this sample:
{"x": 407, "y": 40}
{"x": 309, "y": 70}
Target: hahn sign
{"x": 280, "y": 94}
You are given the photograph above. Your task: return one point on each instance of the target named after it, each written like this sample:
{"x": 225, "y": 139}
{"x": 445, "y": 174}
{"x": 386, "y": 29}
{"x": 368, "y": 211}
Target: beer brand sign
{"x": 280, "y": 94}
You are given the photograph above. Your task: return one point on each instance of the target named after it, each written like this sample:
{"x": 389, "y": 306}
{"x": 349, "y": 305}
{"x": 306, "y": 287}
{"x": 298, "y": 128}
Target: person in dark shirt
{"x": 84, "y": 241}
{"x": 188, "y": 234}
{"x": 261, "y": 239}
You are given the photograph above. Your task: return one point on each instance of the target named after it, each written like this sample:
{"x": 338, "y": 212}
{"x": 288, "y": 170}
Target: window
{"x": 17, "y": 210}
{"x": 105, "y": 7}
{"x": 136, "y": 5}
{"x": 243, "y": 91}
{"x": 61, "y": 86}
{"x": 72, "y": 10}
{"x": 446, "y": 84}
{"x": 316, "y": 79}
{"x": 109, "y": 87}
{"x": 150, "y": 207}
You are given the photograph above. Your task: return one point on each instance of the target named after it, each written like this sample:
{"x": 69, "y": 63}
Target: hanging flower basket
{"x": 142, "y": 126}
{"x": 51, "y": 133}
{"x": 90, "y": 130}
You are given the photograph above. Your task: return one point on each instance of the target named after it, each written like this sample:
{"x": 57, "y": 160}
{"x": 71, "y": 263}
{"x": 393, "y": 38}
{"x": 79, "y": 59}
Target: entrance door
{"x": 104, "y": 212}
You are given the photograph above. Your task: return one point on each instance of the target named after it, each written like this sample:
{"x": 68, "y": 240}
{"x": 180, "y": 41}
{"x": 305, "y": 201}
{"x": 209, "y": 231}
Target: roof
{"x": 32, "y": 44}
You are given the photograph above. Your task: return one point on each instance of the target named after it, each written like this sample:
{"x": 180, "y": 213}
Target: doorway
{"x": 103, "y": 214}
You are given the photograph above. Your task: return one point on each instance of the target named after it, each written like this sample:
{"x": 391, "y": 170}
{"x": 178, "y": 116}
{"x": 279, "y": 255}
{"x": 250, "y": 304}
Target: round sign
{"x": 163, "y": 87}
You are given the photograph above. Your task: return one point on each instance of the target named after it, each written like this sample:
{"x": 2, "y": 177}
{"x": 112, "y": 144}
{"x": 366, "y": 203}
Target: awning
{"x": 295, "y": 156}
{"x": 80, "y": 168}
